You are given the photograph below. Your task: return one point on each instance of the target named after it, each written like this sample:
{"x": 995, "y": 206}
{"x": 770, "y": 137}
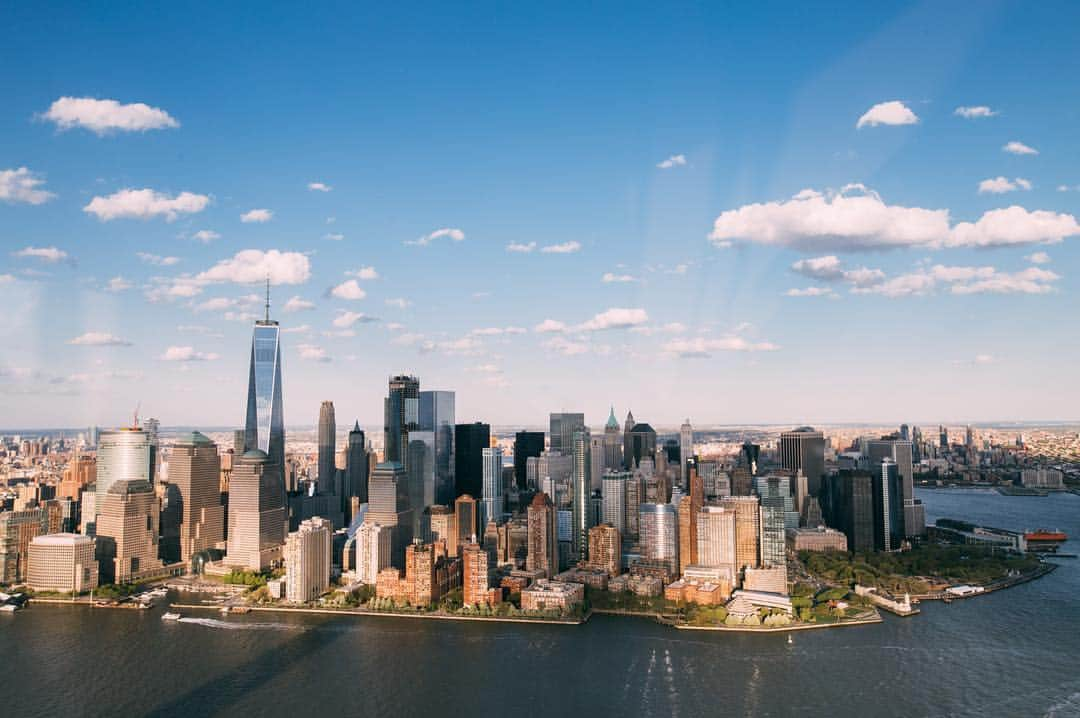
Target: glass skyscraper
{"x": 264, "y": 426}
{"x": 436, "y": 415}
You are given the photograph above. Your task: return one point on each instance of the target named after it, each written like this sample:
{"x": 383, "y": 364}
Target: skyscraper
{"x": 356, "y": 465}
{"x": 123, "y": 455}
{"x": 543, "y": 538}
{"x": 605, "y": 549}
{"x": 127, "y": 532}
{"x": 562, "y": 427}
{"x": 747, "y": 529}
{"x": 689, "y": 508}
{"x": 613, "y": 446}
{"x": 420, "y": 470}
{"x": 628, "y": 444}
{"x": 686, "y": 450}
{"x": 581, "y": 491}
{"x": 373, "y": 549}
{"x": 401, "y": 414}
{"x": 264, "y": 427}
{"x": 659, "y": 534}
{"x": 327, "y": 448}
{"x": 888, "y": 507}
{"x": 470, "y": 440}
{"x": 716, "y": 540}
{"x": 194, "y": 469}
{"x": 804, "y": 448}
{"x": 258, "y": 520}
{"x": 526, "y": 444}
{"x": 388, "y": 505}
{"x": 900, "y": 451}
{"x": 307, "y": 560}
{"x": 491, "y": 503}
{"x": 436, "y": 414}
{"x": 467, "y": 519}
{"x": 642, "y": 443}
{"x": 848, "y": 505}
{"x": 613, "y": 496}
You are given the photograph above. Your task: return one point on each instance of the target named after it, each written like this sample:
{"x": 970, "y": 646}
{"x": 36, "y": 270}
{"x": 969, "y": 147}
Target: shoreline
{"x": 388, "y": 614}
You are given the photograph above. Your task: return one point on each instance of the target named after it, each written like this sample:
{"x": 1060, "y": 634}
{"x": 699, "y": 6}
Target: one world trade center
{"x": 264, "y": 427}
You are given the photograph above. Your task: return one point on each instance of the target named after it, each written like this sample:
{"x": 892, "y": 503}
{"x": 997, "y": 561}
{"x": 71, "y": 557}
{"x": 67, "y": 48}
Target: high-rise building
{"x": 327, "y": 448}
{"x": 848, "y": 505}
{"x": 526, "y": 444}
{"x": 804, "y": 449}
{"x": 127, "y": 532}
{"x": 613, "y": 444}
{"x": 605, "y": 549}
{"x": 492, "y": 505}
{"x": 943, "y": 437}
{"x": 642, "y": 443}
{"x": 901, "y": 452}
{"x": 659, "y": 531}
{"x": 123, "y": 455}
{"x": 581, "y": 492}
{"x": 420, "y": 471}
{"x": 80, "y": 472}
{"x": 686, "y": 450}
{"x": 477, "y": 568}
{"x": 628, "y": 444}
{"x": 194, "y": 469}
{"x": 307, "y": 560}
{"x": 436, "y": 409}
{"x": 443, "y": 527}
{"x": 747, "y": 529}
{"x": 356, "y": 465}
{"x": 264, "y": 426}
{"x": 773, "y": 535}
{"x": 716, "y": 540}
{"x": 635, "y": 496}
{"x": 888, "y": 507}
{"x": 62, "y": 562}
{"x": 17, "y": 530}
{"x": 257, "y": 518}
{"x": 470, "y": 440}
{"x": 689, "y": 508}
{"x": 401, "y": 414}
{"x": 613, "y": 494}
{"x": 543, "y": 537}
{"x": 563, "y": 426}
{"x": 373, "y": 548}
{"x": 467, "y": 518}
{"x": 388, "y": 505}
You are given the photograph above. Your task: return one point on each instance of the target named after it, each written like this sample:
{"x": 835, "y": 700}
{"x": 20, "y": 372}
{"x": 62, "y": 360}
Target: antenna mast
{"x": 268, "y": 297}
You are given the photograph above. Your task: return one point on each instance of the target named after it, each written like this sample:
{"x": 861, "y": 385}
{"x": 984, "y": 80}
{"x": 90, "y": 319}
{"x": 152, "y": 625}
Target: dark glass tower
{"x": 401, "y": 414}
{"x": 356, "y": 465}
{"x": 581, "y": 502}
{"x": 526, "y": 444}
{"x": 470, "y": 440}
{"x": 264, "y": 426}
{"x": 327, "y": 447}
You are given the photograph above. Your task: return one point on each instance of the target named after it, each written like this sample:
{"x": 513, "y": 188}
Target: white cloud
{"x": 893, "y": 112}
{"x": 811, "y": 292}
{"x": 7, "y": 278}
{"x": 549, "y": 326}
{"x": 298, "y": 304}
{"x": 118, "y": 284}
{"x": 858, "y": 219}
{"x": 399, "y": 302}
{"x": 349, "y": 289}
{"x": 974, "y": 111}
{"x": 334, "y": 236}
{"x": 566, "y": 347}
{"x": 299, "y": 329}
{"x": 168, "y": 289}
{"x": 1068, "y": 188}
{"x": 364, "y": 273}
{"x": 206, "y": 236}
{"x": 831, "y": 269}
{"x": 564, "y": 248}
{"x": 454, "y": 234}
{"x": 186, "y": 354}
{"x": 407, "y": 339}
{"x": 1038, "y": 258}
{"x": 1001, "y": 185}
{"x": 673, "y": 161}
{"x": 254, "y": 265}
{"x": 344, "y": 320}
{"x": 1019, "y": 148}
{"x": 610, "y": 278}
{"x": 257, "y": 215}
{"x": 311, "y": 352}
{"x": 157, "y": 260}
{"x": 521, "y": 248}
{"x": 99, "y": 339}
{"x": 319, "y": 187}
{"x": 218, "y": 304}
{"x": 497, "y": 331}
{"x": 615, "y": 318}
{"x": 45, "y": 254}
{"x": 105, "y": 116}
{"x": 145, "y": 204}
{"x": 704, "y": 347}
{"x": 22, "y": 185}
{"x": 965, "y": 280}
{"x": 394, "y": 326}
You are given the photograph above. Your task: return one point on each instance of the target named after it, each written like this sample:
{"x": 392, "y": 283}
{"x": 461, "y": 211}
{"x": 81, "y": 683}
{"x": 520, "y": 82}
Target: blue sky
{"x": 665, "y": 148}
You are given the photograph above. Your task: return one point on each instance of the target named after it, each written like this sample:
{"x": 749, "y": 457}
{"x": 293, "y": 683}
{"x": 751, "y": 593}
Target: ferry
{"x": 1044, "y": 540}
{"x": 170, "y": 616}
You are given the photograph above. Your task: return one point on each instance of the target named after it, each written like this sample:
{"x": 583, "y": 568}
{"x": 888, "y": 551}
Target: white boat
{"x": 170, "y": 616}
{"x": 9, "y": 607}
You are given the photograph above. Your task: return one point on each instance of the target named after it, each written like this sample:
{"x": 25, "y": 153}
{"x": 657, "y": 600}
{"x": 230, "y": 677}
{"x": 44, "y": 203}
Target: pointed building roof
{"x": 612, "y": 422}
{"x": 356, "y": 427}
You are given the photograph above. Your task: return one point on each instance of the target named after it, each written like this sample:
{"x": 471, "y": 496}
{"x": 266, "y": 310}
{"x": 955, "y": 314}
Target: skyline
{"x": 799, "y": 220}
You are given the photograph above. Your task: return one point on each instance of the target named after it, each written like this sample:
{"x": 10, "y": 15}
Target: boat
{"x": 1044, "y": 539}
{"x": 170, "y": 616}
{"x": 9, "y": 608}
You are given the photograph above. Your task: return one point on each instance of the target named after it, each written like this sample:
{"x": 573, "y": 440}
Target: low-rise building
{"x": 767, "y": 580}
{"x": 648, "y": 586}
{"x": 816, "y": 539}
{"x": 596, "y": 578}
{"x": 545, "y": 595}
{"x": 62, "y": 562}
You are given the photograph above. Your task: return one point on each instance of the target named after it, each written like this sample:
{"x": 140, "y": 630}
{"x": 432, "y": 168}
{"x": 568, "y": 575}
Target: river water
{"x": 1010, "y": 653}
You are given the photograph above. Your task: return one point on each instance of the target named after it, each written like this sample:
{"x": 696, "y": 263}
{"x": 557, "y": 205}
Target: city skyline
{"x": 872, "y": 224}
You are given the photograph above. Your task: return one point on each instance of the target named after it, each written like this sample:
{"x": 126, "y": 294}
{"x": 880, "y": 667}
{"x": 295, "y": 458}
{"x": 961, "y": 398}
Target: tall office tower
{"x": 356, "y": 465}
{"x": 437, "y": 416}
{"x": 470, "y": 440}
{"x": 749, "y": 454}
{"x": 491, "y": 502}
{"x": 467, "y": 518}
{"x": 943, "y": 437}
{"x": 628, "y": 444}
{"x": 888, "y": 507}
{"x": 257, "y": 521}
{"x": 62, "y": 562}
{"x": 774, "y": 490}
{"x": 916, "y": 444}
{"x": 238, "y": 441}
{"x": 689, "y": 508}
{"x": 527, "y": 445}
{"x": 804, "y": 448}
{"x": 642, "y": 443}
{"x": 848, "y": 505}
{"x": 194, "y": 469}
{"x": 772, "y": 536}
{"x": 543, "y": 537}
{"x": 476, "y": 570}
{"x": 613, "y": 445}
{"x": 17, "y": 529}
{"x": 901, "y": 451}
{"x": 969, "y": 437}
{"x": 264, "y": 427}
{"x": 420, "y": 473}
{"x": 904, "y": 432}
{"x": 307, "y": 560}
{"x": 80, "y": 472}
{"x": 581, "y": 493}
{"x": 614, "y": 504}
{"x": 388, "y": 505}
{"x": 374, "y": 545}
{"x": 658, "y": 525}
{"x": 123, "y": 455}
{"x": 596, "y": 466}
{"x": 444, "y": 528}
{"x": 605, "y": 549}
{"x": 716, "y": 540}
{"x": 562, "y": 427}
{"x": 327, "y": 448}
{"x": 127, "y": 532}
{"x": 635, "y": 496}
{"x": 747, "y": 529}
{"x": 401, "y": 414}
{"x": 686, "y": 450}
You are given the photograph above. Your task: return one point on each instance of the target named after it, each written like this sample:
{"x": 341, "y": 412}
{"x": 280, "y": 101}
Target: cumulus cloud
{"x": 1018, "y": 148}
{"x": 704, "y": 347}
{"x": 673, "y": 161}
{"x": 364, "y": 273}
{"x": 549, "y": 326}
{"x": 566, "y": 347}
{"x": 1038, "y": 258}
{"x": 520, "y": 247}
{"x": 831, "y": 269}
{"x": 257, "y": 215}
{"x": 563, "y": 248}
{"x": 349, "y": 289}
{"x": 612, "y": 278}
{"x": 811, "y": 292}
{"x": 51, "y": 255}
{"x": 893, "y": 112}
{"x": 22, "y": 185}
{"x": 99, "y": 339}
{"x": 206, "y": 236}
{"x": 319, "y": 187}
{"x": 117, "y": 284}
{"x": 105, "y": 116}
{"x": 856, "y": 218}
{"x": 399, "y": 302}
{"x": 310, "y": 352}
{"x": 615, "y": 318}
{"x": 454, "y": 234}
{"x": 965, "y": 280}
{"x": 497, "y": 331}
{"x": 254, "y": 265}
{"x": 145, "y": 204}
{"x": 186, "y": 354}
{"x": 344, "y": 320}
{"x": 298, "y": 304}
{"x": 1001, "y": 185}
{"x": 157, "y": 260}
{"x": 974, "y": 112}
